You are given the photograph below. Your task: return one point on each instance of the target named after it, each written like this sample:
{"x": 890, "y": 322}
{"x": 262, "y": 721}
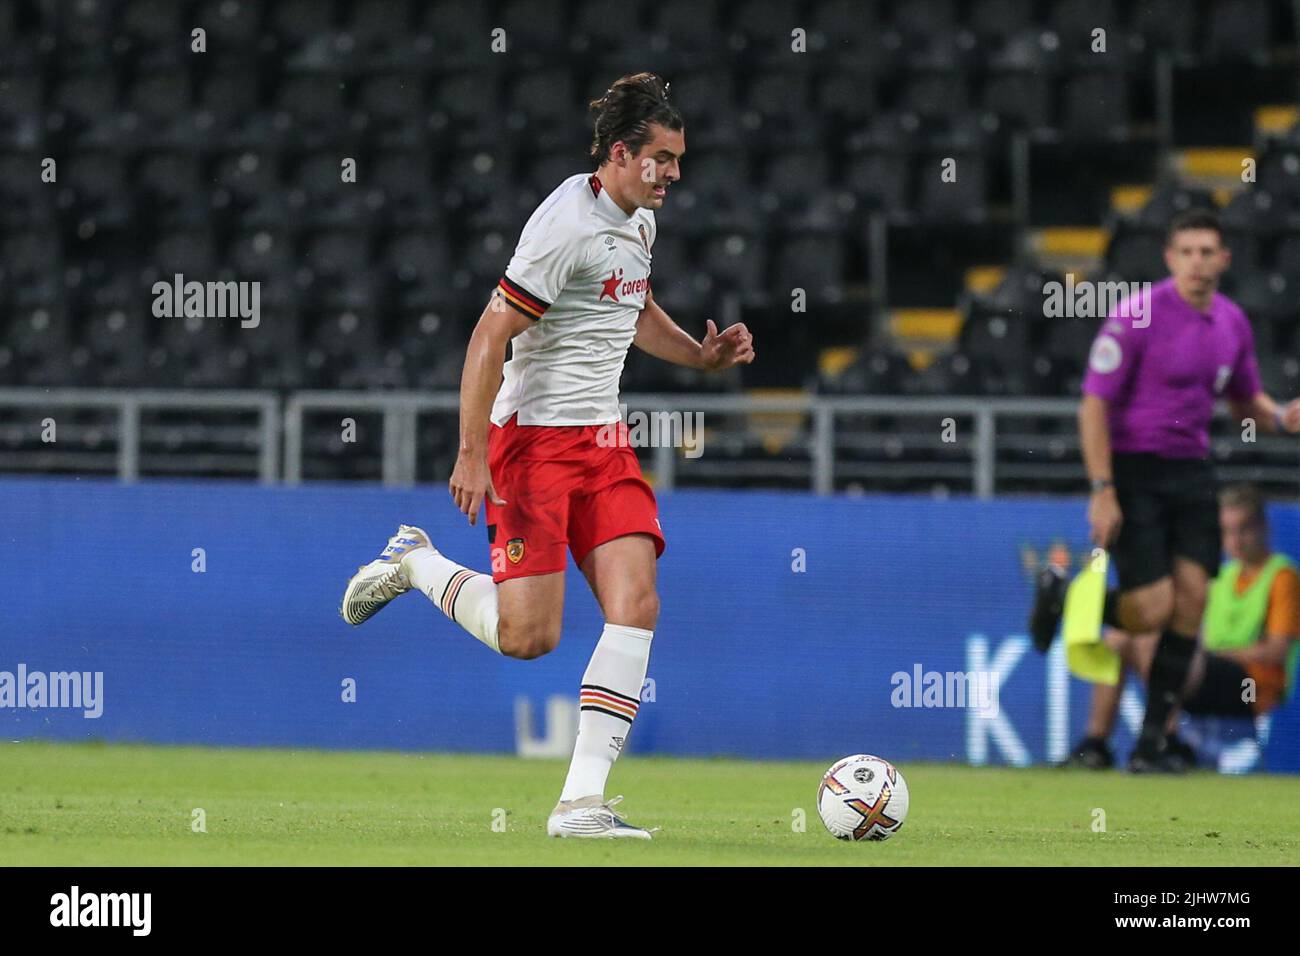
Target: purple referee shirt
{"x": 1161, "y": 380}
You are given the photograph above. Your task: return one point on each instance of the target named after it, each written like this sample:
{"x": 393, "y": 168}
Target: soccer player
{"x": 1251, "y": 635}
{"x": 1155, "y": 370}
{"x": 542, "y": 447}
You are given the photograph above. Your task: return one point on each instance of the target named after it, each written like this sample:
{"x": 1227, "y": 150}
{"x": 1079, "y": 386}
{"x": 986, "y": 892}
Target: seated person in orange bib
{"x": 542, "y": 448}
{"x": 1250, "y": 638}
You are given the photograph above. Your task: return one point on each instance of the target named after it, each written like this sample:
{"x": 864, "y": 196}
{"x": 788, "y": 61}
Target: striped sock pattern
{"x": 605, "y": 701}
{"x": 452, "y": 591}
{"x": 608, "y": 701}
{"x": 464, "y": 595}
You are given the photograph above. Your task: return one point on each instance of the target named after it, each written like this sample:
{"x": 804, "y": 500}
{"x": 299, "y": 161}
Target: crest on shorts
{"x": 515, "y": 550}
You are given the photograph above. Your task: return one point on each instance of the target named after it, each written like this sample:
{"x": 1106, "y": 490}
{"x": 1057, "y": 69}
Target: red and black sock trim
{"x": 452, "y": 591}
{"x": 606, "y": 701}
{"x": 530, "y": 305}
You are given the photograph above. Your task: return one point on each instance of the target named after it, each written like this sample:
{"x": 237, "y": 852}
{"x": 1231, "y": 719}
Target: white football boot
{"x": 377, "y": 583}
{"x": 592, "y": 817}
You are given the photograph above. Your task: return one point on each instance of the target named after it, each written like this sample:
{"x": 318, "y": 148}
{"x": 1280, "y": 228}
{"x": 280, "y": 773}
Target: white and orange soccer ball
{"x": 862, "y": 798}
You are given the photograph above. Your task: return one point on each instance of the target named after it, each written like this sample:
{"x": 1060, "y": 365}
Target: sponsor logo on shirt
{"x": 614, "y": 286}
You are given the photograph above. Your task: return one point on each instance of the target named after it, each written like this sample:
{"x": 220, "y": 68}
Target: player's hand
{"x": 735, "y": 346}
{"x": 1104, "y": 517}
{"x": 471, "y": 483}
{"x": 1290, "y": 416}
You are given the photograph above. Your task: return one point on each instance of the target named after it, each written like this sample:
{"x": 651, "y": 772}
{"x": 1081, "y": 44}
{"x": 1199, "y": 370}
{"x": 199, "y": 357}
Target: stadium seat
{"x": 707, "y": 99}
{"x": 1096, "y": 107}
{"x": 1164, "y": 25}
{"x": 1238, "y": 30}
{"x": 21, "y": 106}
{"x": 961, "y": 199}
{"x": 880, "y": 179}
{"x": 992, "y": 21}
{"x": 1021, "y": 99}
{"x": 1137, "y": 255}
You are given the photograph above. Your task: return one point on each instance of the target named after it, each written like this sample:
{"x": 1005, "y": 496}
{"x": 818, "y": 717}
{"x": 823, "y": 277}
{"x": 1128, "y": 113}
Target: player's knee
{"x": 527, "y": 641}
{"x": 1187, "y": 615}
{"x": 1152, "y": 611}
{"x": 637, "y": 609}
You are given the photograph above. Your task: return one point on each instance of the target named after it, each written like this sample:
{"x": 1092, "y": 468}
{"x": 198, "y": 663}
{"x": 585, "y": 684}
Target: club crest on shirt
{"x": 515, "y": 550}
{"x": 1221, "y": 378}
{"x": 1106, "y": 355}
{"x": 645, "y": 239}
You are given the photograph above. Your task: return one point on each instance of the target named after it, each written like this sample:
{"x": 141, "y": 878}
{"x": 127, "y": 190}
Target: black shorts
{"x": 1220, "y": 692}
{"x": 1169, "y": 508}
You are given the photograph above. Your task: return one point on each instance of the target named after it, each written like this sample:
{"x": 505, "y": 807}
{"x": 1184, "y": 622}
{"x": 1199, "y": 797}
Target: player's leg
{"x": 1146, "y": 608}
{"x": 1217, "y": 688}
{"x": 622, "y": 576}
{"x": 1194, "y": 699}
{"x": 1093, "y": 751}
{"x": 615, "y": 537}
{"x": 1144, "y": 599}
{"x": 1143, "y": 555}
{"x": 518, "y": 617}
{"x": 517, "y": 609}
{"x": 1193, "y": 535}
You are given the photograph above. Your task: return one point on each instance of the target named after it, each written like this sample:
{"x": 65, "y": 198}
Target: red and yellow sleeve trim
{"x": 523, "y": 300}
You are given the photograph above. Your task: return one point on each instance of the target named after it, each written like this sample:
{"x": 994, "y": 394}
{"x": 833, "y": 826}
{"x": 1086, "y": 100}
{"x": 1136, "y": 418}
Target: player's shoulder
{"x": 567, "y": 211}
{"x": 1230, "y": 309}
{"x": 1287, "y": 577}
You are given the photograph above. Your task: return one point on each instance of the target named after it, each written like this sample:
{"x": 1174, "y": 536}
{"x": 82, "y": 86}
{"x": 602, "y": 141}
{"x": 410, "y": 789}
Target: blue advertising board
{"x": 793, "y": 626}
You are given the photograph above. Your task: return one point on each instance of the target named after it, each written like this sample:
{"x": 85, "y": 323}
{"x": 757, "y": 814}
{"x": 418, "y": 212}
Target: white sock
{"x": 465, "y": 596}
{"x": 609, "y": 699}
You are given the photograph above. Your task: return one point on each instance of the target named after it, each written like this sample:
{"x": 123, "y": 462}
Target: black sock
{"x": 1169, "y": 670}
{"x": 1110, "y": 610}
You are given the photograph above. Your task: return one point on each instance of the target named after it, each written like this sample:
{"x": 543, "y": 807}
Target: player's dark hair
{"x": 627, "y": 111}
{"x": 1244, "y": 495}
{"x": 1193, "y": 219}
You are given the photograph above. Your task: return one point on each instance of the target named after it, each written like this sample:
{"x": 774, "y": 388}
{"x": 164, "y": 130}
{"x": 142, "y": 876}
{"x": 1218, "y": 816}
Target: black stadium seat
{"x": 228, "y": 164}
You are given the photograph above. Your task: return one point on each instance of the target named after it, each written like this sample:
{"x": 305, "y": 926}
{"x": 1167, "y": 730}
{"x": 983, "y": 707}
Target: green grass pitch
{"x": 73, "y": 804}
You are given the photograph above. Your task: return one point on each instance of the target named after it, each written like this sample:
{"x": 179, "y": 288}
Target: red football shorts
{"x": 566, "y": 487}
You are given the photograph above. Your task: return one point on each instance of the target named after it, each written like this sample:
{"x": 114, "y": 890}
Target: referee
{"x": 1155, "y": 371}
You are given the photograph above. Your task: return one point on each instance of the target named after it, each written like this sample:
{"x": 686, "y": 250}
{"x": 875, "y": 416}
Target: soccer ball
{"x": 862, "y": 798}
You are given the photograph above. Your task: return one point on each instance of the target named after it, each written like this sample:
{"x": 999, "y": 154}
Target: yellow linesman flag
{"x": 1086, "y": 653}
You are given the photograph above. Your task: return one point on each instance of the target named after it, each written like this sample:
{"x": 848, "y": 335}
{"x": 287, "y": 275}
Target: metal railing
{"x": 128, "y": 404}
{"x": 825, "y": 441}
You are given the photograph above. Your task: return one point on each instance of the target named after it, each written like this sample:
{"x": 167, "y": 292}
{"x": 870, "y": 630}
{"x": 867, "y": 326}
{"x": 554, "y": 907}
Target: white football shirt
{"x": 581, "y": 271}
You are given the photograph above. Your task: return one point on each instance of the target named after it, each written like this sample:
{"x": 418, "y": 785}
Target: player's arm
{"x": 1104, "y": 514}
{"x": 1281, "y": 624}
{"x": 471, "y": 480}
{"x": 1268, "y": 415}
{"x": 1270, "y": 651}
{"x": 658, "y": 335}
